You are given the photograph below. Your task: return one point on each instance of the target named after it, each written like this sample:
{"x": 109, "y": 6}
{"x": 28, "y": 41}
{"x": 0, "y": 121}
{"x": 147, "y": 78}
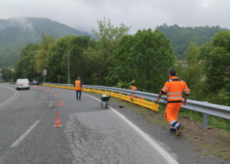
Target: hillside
{"x": 180, "y": 37}
{"x": 15, "y": 33}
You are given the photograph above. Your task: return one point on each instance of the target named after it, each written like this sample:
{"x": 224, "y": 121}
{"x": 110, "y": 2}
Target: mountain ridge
{"x": 15, "y": 33}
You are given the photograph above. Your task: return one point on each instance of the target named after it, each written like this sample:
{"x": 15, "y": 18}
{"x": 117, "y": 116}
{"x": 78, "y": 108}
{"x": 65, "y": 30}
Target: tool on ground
{"x": 58, "y": 121}
{"x": 59, "y": 102}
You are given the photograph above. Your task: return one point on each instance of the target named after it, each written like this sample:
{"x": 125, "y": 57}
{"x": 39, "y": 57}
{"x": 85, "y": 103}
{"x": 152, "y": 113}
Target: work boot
{"x": 173, "y": 130}
{"x": 179, "y": 129}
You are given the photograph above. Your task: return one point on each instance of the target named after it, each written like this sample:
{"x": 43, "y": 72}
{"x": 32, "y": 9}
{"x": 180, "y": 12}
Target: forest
{"x": 118, "y": 59}
{"x": 15, "y": 33}
{"x": 181, "y": 37}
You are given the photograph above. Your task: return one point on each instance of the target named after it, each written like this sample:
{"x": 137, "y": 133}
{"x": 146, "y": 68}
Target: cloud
{"x": 21, "y": 22}
{"x": 83, "y": 14}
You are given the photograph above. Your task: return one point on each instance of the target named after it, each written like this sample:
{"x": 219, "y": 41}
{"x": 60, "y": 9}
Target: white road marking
{"x": 157, "y": 147}
{"x": 25, "y": 134}
{"x": 10, "y": 99}
{"x": 51, "y": 103}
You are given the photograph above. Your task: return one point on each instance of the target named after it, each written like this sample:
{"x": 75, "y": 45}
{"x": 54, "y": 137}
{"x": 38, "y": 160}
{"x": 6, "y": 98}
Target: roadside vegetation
{"x": 6, "y": 74}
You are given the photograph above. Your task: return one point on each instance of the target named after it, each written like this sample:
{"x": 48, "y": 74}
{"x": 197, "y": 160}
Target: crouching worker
{"x": 174, "y": 87}
{"x": 133, "y": 88}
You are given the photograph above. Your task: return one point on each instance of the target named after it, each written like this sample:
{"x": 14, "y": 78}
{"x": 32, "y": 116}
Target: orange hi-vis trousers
{"x": 171, "y": 111}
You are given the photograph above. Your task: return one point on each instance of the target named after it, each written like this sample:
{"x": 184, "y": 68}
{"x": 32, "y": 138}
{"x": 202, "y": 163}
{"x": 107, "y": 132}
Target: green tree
{"x": 26, "y": 66}
{"x": 191, "y": 73}
{"x": 145, "y": 58}
{"x": 101, "y": 53}
{"x": 41, "y": 56}
{"x": 6, "y": 74}
{"x": 79, "y": 65}
{"x": 217, "y": 61}
{"x": 216, "y": 56}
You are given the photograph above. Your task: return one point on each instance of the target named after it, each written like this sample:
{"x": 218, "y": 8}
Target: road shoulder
{"x": 154, "y": 124}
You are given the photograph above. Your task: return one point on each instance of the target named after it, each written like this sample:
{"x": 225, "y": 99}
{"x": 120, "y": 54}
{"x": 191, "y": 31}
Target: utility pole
{"x": 68, "y": 67}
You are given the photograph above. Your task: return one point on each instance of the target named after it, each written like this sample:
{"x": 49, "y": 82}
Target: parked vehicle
{"x": 22, "y": 84}
{"x": 35, "y": 82}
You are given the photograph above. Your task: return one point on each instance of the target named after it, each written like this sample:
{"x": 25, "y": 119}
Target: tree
{"x": 145, "y": 58}
{"x": 108, "y": 38}
{"x": 217, "y": 61}
{"x": 6, "y": 74}
{"x": 41, "y": 56}
{"x": 216, "y": 55}
{"x": 26, "y": 66}
{"x": 79, "y": 65}
{"x": 191, "y": 73}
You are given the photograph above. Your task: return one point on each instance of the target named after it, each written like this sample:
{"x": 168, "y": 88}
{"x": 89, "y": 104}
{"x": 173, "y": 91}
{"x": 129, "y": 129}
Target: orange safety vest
{"x": 175, "y": 87}
{"x": 78, "y": 85}
{"x": 133, "y": 88}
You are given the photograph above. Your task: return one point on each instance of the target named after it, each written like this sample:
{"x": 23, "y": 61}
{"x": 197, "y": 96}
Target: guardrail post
{"x": 204, "y": 121}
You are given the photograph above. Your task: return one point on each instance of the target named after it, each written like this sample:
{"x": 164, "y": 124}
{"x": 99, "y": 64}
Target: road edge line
{"x": 10, "y": 99}
{"x": 157, "y": 147}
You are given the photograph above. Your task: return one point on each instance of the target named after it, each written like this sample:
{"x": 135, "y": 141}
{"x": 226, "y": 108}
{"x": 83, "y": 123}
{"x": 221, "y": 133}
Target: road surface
{"x": 89, "y": 135}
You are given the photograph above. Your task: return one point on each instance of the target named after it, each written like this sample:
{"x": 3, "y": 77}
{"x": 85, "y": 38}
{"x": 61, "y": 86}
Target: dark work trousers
{"x": 78, "y": 91}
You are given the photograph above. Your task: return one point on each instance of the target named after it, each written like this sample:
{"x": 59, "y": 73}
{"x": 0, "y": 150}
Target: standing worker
{"x": 174, "y": 87}
{"x": 78, "y": 88}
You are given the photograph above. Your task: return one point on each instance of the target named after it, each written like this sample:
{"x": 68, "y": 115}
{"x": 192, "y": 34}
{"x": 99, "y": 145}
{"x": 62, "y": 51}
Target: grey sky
{"x": 139, "y": 14}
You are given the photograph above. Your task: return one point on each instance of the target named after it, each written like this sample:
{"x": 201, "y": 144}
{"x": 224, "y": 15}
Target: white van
{"x": 22, "y": 84}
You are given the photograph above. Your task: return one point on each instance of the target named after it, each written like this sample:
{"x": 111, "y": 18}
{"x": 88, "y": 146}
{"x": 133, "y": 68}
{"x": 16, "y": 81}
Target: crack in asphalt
{"x": 97, "y": 141}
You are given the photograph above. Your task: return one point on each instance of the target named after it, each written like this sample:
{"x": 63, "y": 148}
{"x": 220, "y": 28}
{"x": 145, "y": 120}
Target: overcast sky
{"x": 139, "y": 14}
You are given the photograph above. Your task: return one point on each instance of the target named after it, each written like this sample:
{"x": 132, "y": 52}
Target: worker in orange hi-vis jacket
{"x": 133, "y": 88}
{"x": 78, "y": 87}
{"x": 174, "y": 87}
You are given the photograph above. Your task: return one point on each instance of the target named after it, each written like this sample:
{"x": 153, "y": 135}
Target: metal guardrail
{"x": 199, "y": 106}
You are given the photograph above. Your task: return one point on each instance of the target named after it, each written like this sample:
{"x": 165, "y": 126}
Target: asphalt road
{"x": 89, "y": 135}
{"x": 5, "y": 93}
